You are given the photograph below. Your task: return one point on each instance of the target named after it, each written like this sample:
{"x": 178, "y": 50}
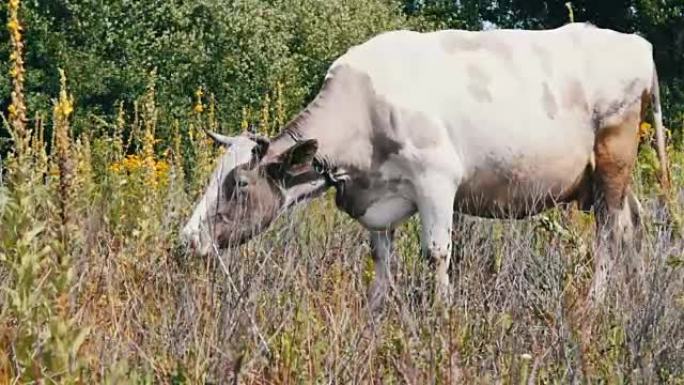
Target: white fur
{"x": 197, "y": 232}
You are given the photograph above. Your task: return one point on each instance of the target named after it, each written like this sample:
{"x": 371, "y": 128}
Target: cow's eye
{"x": 242, "y": 182}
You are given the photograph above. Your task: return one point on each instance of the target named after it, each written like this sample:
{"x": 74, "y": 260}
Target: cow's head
{"x": 249, "y": 189}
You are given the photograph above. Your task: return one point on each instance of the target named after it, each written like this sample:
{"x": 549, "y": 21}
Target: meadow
{"x": 96, "y": 287}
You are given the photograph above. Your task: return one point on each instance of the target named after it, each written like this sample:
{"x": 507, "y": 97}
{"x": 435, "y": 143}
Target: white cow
{"x": 502, "y": 123}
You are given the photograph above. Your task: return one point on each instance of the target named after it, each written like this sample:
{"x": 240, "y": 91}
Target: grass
{"x": 96, "y": 288}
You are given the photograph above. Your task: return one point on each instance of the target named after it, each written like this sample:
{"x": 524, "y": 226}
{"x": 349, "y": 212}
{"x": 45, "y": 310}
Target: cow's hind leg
{"x": 615, "y": 153}
{"x": 381, "y": 248}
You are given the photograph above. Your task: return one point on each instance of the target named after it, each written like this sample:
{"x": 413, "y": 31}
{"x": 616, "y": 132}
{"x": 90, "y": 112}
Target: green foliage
{"x": 237, "y": 50}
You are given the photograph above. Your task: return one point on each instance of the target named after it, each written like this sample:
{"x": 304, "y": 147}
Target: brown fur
{"x": 615, "y": 153}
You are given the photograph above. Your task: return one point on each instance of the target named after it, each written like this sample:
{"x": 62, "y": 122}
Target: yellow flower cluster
{"x": 644, "y": 130}
{"x": 65, "y": 106}
{"x": 135, "y": 163}
{"x": 198, "y": 108}
{"x": 17, "y": 108}
{"x": 13, "y": 25}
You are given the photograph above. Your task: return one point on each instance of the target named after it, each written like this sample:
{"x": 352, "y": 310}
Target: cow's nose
{"x": 190, "y": 240}
{"x": 192, "y": 245}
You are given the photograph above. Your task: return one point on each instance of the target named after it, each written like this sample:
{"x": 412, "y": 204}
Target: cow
{"x": 494, "y": 124}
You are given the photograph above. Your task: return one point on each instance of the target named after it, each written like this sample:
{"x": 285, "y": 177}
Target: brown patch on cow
{"x": 544, "y": 57}
{"x": 615, "y": 151}
{"x": 574, "y": 96}
{"x": 549, "y": 102}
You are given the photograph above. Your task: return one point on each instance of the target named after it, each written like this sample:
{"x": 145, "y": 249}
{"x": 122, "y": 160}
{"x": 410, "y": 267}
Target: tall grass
{"x": 96, "y": 288}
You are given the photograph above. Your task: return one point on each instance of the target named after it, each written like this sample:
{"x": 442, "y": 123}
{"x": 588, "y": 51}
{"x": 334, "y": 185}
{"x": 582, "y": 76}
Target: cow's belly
{"x": 510, "y": 190}
{"x": 376, "y": 203}
{"x": 386, "y": 213}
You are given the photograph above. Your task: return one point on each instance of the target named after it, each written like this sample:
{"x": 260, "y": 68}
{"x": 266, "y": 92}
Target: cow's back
{"x": 415, "y": 70}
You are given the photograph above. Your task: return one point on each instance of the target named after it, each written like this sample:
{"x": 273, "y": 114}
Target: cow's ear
{"x": 299, "y": 155}
{"x": 262, "y": 144}
{"x": 261, "y": 148}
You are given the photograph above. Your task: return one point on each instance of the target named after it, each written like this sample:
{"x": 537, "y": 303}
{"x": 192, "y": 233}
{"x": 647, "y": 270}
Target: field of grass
{"x": 96, "y": 288}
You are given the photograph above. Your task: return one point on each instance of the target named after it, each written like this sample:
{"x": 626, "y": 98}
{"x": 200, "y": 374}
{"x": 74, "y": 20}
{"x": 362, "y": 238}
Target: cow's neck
{"x": 338, "y": 119}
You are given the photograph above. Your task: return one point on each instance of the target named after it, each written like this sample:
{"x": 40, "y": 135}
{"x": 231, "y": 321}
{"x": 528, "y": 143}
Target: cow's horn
{"x": 222, "y": 139}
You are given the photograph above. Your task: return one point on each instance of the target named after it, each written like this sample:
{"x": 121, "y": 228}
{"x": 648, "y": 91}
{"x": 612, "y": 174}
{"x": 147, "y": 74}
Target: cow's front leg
{"x": 381, "y": 249}
{"x": 435, "y": 208}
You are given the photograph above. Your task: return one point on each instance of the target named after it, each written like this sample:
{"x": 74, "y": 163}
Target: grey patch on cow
{"x": 342, "y": 107}
{"x": 478, "y": 74}
{"x": 604, "y": 110}
{"x": 498, "y": 47}
{"x": 385, "y": 119}
{"x": 480, "y": 92}
{"x": 454, "y": 41}
{"x": 393, "y": 184}
{"x": 574, "y": 96}
{"x": 424, "y": 135}
{"x": 478, "y": 84}
{"x": 549, "y": 102}
{"x": 383, "y": 146}
{"x": 383, "y": 122}
{"x": 458, "y": 41}
{"x": 420, "y": 130}
{"x": 363, "y": 188}
{"x": 544, "y": 58}
{"x": 633, "y": 87}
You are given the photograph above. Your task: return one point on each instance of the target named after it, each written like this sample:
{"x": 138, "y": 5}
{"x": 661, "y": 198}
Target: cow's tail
{"x": 661, "y": 150}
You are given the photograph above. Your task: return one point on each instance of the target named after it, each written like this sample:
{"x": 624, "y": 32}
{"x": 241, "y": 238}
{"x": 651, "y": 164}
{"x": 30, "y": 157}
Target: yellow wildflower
{"x": 132, "y": 164}
{"x": 161, "y": 170}
{"x": 644, "y": 130}
{"x": 199, "y": 108}
{"x": 14, "y": 25}
{"x": 64, "y": 109}
{"x": 65, "y": 104}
